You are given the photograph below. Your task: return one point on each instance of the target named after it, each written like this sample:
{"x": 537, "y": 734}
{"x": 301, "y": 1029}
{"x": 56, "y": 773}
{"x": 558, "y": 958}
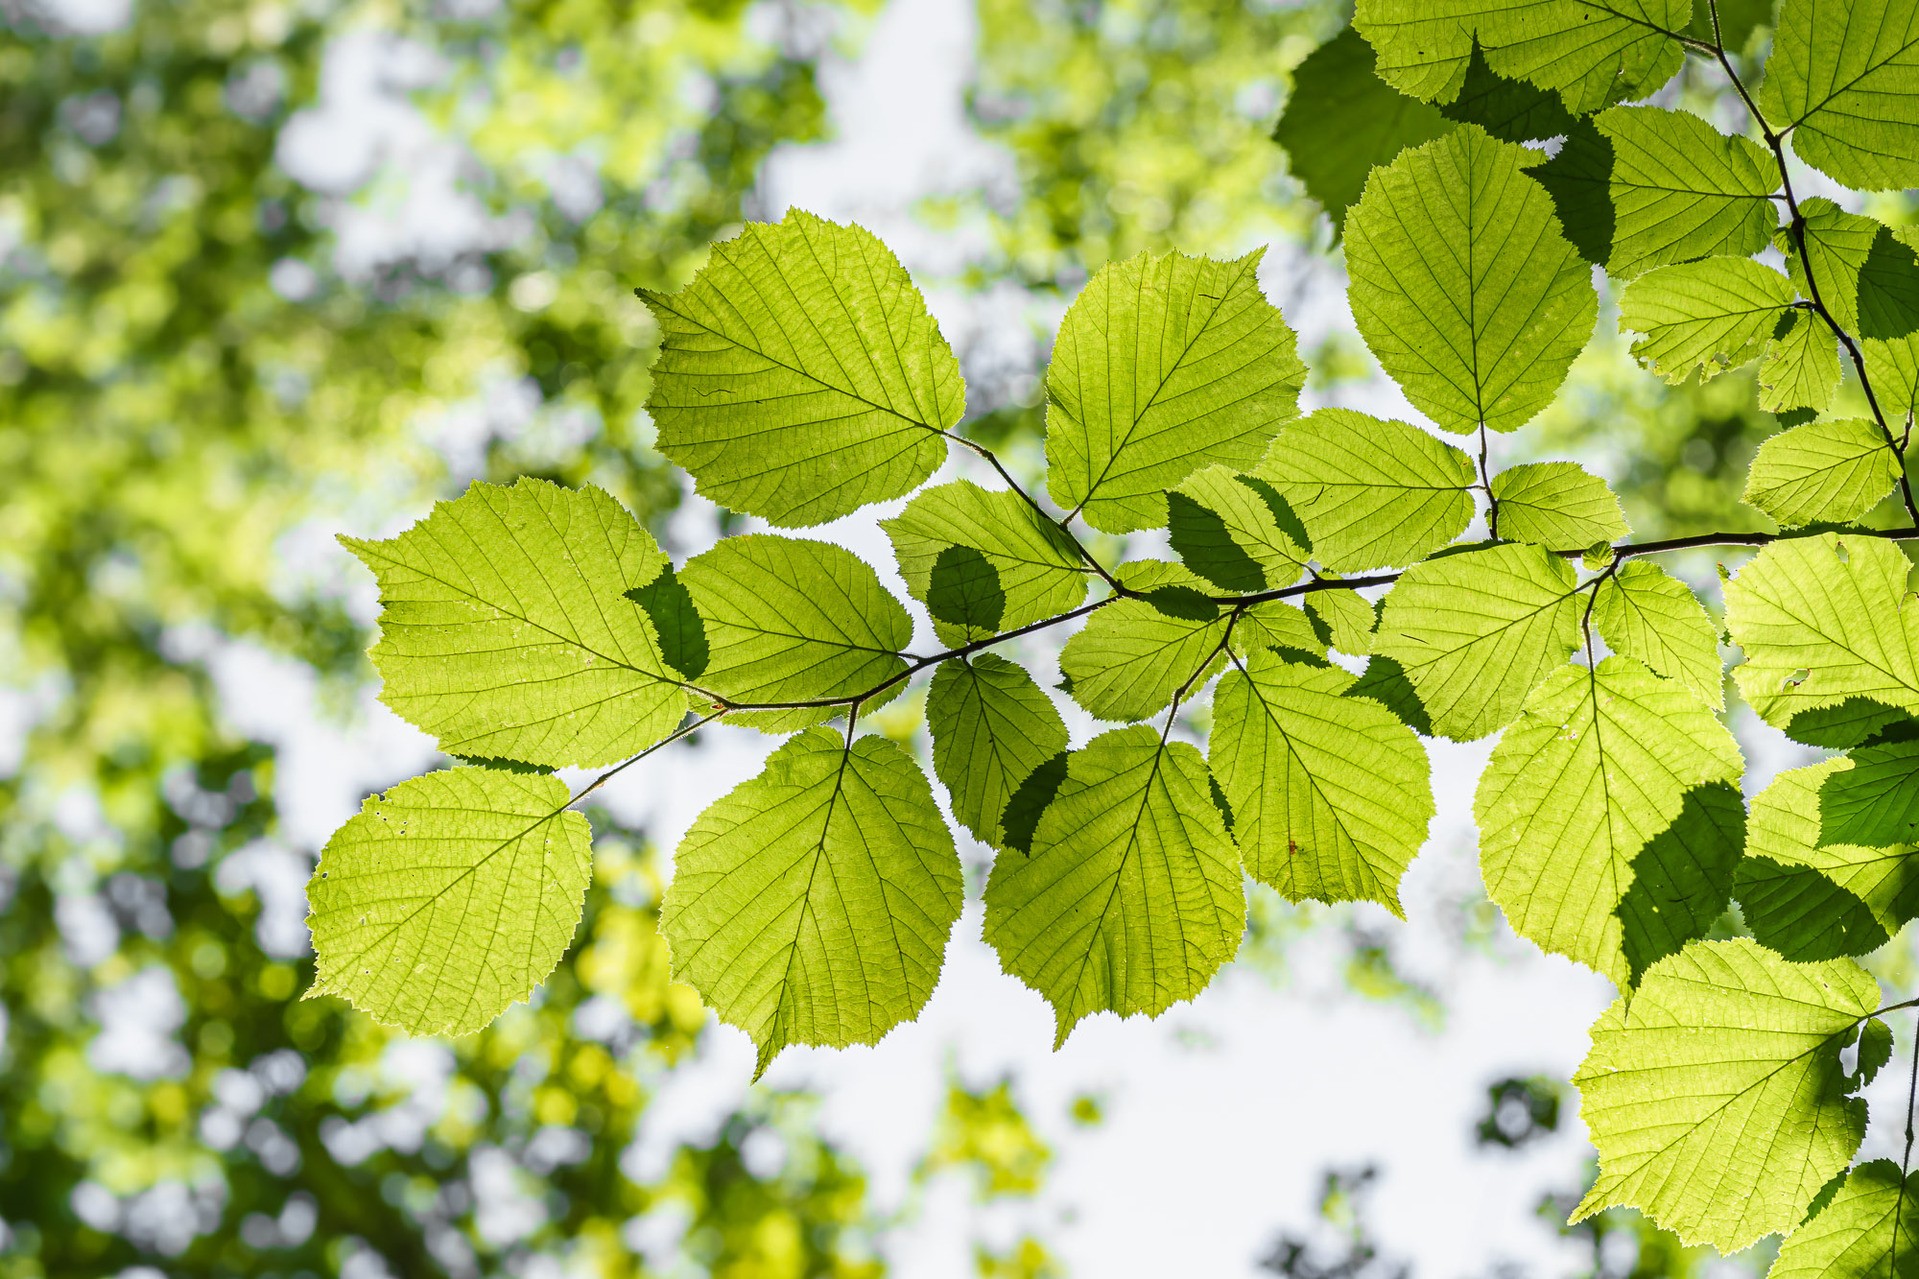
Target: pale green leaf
{"x": 449, "y": 898}
{"x": 992, "y": 727}
{"x": 1844, "y": 80}
{"x": 1462, "y": 284}
{"x": 503, "y": 632}
{"x": 800, "y": 376}
{"x": 1558, "y": 505}
{"x": 1164, "y": 364}
{"x": 1645, "y": 613}
{"x": 1800, "y": 369}
{"x": 812, "y": 903}
{"x": 1715, "y": 1094}
{"x": 1703, "y": 317}
{"x": 1822, "y": 472}
{"x": 1853, "y": 1236}
{"x": 1610, "y": 818}
{"x": 1134, "y": 655}
{"x": 1681, "y": 190}
{"x": 1346, "y": 619}
{"x": 1371, "y": 493}
{"x": 1132, "y": 897}
{"x": 1474, "y": 633}
{"x": 1237, "y": 531}
{"x": 1330, "y": 794}
{"x": 1278, "y": 624}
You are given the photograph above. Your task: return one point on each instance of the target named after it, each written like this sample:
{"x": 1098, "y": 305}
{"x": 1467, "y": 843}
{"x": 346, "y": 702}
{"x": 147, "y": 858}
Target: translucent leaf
{"x": 1280, "y": 625}
{"x": 1558, "y": 505}
{"x": 1610, "y": 818}
{"x": 1876, "y": 801}
{"x": 1800, "y": 369}
{"x": 1134, "y": 655}
{"x": 1844, "y": 81}
{"x": 449, "y": 898}
{"x": 1822, "y": 620}
{"x": 1474, "y": 633}
{"x": 1822, "y": 472}
{"x": 1462, "y": 284}
{"x": 1237, "y": 531}
{"x": 1509, "y": 109}
{"x": 1869, "y": 278}
{"x": 1330, "y": 794}
{"x": 1164, "y": 364}
{"x": 1852, "y": 1237}
{"x": 1345, "y": 618}
{"x": 1703, "y": 317}
{"x": 1715, "y": 1095}
{"x": 1645, "y": 613}
{"x": 1371, "y": 493}
{"x": 503, "y": 634}
{"x": 812, "y": 903}
{"x": 1132, "y": 897}
{"x": 1683, "y": 190}
{"x": 992, "y": 728}
{"x": 793, "y": 620}
{"x": 1034, "y": 565}
{"x": 1579, "y": 180}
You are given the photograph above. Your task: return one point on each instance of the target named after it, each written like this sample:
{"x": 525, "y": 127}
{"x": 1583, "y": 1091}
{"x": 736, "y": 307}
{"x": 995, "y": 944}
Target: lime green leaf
{"x": 503, "y": 634}
{"x": 1346, "y": 620}
{"x": 1681, "y": 190}
{"x": 1371, "y": 493}
{"x": 1839, "y": 244}
{"x": 1610, "y": 818}
{"x": 1716, "y": 1096}
{"x": 449, "y": 898}
{"x": 1132, "y": 897}
{"x": 1330, "y": 794}
{"x": 1462, "y": 284}
{"x": 1876, "y": 801}
{"x": 1133, "y": 657}
{"x": 1853, "y": 1236}
{"x": 1277, "y": 624}
{"x": 1237, "y": 531}
{"x": 1037, "y": 571}
{"x": 793, "y": 620}
{"x": 1869, "y": 279}
{"x": 1825, "y": 472}
{"x": 1558, "y": 505}
{"x": 812, "y": 903}
{"x": 676, "y": 620}
{"x": 1645, "y": 613}
{"x": 1164, "y": 364}
{"x": 1475, "y": 633}
{"x": 1824, "y": 619}
{"x": 800, "y": 376}
{"x": 992, "y": 727}
{"x": 1844, "y": 80}
{"x": 1801, "y": 367}
{"x": 1703, "y": 317}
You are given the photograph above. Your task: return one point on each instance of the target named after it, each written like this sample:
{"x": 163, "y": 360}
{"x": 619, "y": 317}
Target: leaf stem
{"x": 674, "y": 736}
{"x": 1486, "y": 484}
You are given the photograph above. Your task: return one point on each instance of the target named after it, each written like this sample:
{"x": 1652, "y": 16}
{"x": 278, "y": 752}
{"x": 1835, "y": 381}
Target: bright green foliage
{"x": 812, "y": 904}
{"x": 993, "y": 727}
{"x": 1715, "y": 1094}
{"x": 1329, "y": 793}
{"x": 1131, "y": 899}
{"x": 1703, "y": 317}
{"x": 1278, "y": 624}
{"x": 1647, "y": 614}
{"x": 1800, "y": 368}
{"x": 1346, "y": 618}
{"x": 1609, "y": 818}
{"x": 1873, "y": 1218}
{"x": 1135, "y": 656}
{"x": 1845, "y": 80}
{"x": 1475, "y": 633}
{"x": 1164, "y": 364}
{"x": 449, "y": 897}
{"x": 1463, "y": 285}
{"x": 1557, "y": 505}
{"x": 800, "y": 376}
{"x": 1683, "y": 190}
{"x": 1823, "y": 471}
{"x": 1370, "y": 493}
{"x": 1876, "y": 801}
{"x": 1236, "y": 531}
{"x": 503, "y": 634}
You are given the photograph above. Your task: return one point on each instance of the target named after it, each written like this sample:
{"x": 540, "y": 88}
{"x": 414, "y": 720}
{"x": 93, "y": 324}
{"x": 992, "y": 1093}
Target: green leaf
{"x": 812, "y": 903}
{"x": 992, "y": 728}
{"x": 1039, "y": 572}
{"x": 1371, "y": 493}
{"x": 1277, "y": 624}
{"x": 1330, "y": 794}
{"x": 1345, "y": 618}
{"x": 1703, "y": 317}
{"x": 1475, "y": 633}
{"x": 1645, "y": 613}
{"x": 1869, "y": 279}
{"x": 1164, "y": 364}
{"x": 503, "y": 634}
{"x": 1558, "y": 505}
{"x": 800, "y": 376}
{"x": 1237, "y": 531}
{"x": 1843, "y": 80}
{"x": 1462, "y": 284}
{"x": 1132, "y": 897}
{"x": 449, "y": 898}
{"x": 1579, "y": 180}
{"x": 1853, "y": 1236}
{"x": 1510, "y": 109}
{"x": 1876, "y": 801}
{"x": 1610, "y": 818}
{"x": 1341, "y": 120}
{"x": 1822, "y": 620}
{"x": 1593, "y": 52}
{"x": 1715, "y": 1095}
{"x": 1801, "y": 367}
{"x": 1683, "y": 190}
{"x": 794, "y": 620}
{"x": 1738, "y": 19}
{"x": 676, "y": 620}
{"x": 1823, "y": 472}
{"x": 1134, "y": 655}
